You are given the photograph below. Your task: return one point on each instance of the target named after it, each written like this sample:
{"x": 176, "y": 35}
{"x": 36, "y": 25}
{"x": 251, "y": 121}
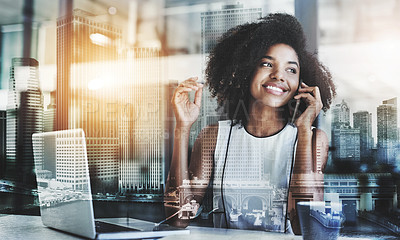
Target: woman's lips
{"x": 276, "y": 90}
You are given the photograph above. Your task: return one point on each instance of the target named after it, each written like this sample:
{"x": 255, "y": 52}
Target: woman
{"x": 258, "y": 72}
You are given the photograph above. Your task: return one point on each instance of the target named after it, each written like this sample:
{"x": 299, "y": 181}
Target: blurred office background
{"x": 110, "y": 67}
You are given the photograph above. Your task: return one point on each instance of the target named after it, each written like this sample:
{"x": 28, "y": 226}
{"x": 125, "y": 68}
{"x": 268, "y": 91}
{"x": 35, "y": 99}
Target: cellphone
{"x": 296, "y": 108}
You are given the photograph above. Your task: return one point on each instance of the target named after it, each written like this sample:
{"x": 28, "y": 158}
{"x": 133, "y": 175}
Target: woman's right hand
{"x": 187, "y": 112}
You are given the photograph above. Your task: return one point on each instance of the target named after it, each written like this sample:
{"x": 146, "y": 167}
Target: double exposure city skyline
{"x": 84, "y": 103}
{"x": 115, "y": 82}
{"x": 352, "y": 138}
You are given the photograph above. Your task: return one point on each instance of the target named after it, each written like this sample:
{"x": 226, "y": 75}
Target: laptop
{"x": 63, "y": 180}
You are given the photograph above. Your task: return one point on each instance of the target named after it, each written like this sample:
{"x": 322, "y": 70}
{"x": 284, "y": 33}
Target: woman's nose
{"x": 277, "y": 74}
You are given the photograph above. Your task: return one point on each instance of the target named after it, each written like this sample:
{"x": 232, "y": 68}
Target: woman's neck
{"x": 265, "y": 121}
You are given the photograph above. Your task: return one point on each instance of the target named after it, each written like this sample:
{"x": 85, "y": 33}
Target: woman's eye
{"x": 266, "y": 64}
{"x": 292, "y": 70}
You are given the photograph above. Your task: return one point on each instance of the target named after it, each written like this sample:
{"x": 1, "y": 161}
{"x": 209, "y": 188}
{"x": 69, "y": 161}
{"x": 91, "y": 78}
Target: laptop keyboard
{"x": 103, "y": 227}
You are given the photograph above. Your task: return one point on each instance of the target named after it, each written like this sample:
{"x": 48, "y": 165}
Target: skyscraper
{"x": 70, "y": 166}
{"x": 345, "y": 140}
{"x": 213, "y": 25}
{"x": 61, "y": 157}
{"x": 363, "y": 121}
{"x": 387, "y": 130}
{"x": 81, "y": 38}
{"x": 86, "y": 48}
{"x": 341, "y": 114}
{"x": 24, "y": 117}
{"x": 141, "y": 123}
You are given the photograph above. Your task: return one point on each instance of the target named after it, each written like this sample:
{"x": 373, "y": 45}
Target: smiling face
{"x": 276, "y": 76}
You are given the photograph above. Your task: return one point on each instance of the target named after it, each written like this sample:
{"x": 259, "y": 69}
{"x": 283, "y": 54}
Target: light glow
{"x": 112, "y": 10}
{"x": 100, "y": 39}
{"x": 100, "y": 82}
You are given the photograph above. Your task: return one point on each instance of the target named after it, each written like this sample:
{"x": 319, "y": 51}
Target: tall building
{"x": 213, "y": 25}
{"x": 142, "y": 123}
{"x": 387, "y": 130}
{"x": 341, "y": 114}
{"x": 3, "y": 117}
{"x": 24, "y": 117}
{"x": 86, "y": 49}
{"x": 363, "y": 121}
{"x": 70, "y": 166}
{"x": 81, "y": 38}
{"x": 345, "y": 140}
{"x": 61, "y": 157}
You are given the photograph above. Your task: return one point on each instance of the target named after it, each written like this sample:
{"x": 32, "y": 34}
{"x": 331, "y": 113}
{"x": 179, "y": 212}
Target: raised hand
{"x": 312, "y": 97}
{"x": 187, "y": 112}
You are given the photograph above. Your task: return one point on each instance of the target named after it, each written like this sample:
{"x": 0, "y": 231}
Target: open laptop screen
{"x": 62, "y": 175}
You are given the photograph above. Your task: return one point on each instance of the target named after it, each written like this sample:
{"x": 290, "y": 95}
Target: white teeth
{"x": 274, "y": 88}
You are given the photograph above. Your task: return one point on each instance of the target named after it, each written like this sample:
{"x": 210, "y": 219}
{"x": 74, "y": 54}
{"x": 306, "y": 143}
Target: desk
{"x": 31, "y": 227}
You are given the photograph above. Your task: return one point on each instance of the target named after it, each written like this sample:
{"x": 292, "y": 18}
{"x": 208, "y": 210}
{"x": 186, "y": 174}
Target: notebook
{"x": 62, "y": 174}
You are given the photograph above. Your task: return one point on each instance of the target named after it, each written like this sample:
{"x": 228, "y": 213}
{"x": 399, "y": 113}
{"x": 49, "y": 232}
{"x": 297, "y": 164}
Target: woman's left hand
{"x": 312, "y": 97}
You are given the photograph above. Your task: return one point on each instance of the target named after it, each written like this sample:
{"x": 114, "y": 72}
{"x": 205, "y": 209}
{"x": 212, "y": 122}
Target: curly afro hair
{"x": 234, "y": 59}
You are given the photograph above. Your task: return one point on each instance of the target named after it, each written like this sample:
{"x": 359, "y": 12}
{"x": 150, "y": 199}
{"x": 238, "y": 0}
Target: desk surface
{"x": 31, "y": 227}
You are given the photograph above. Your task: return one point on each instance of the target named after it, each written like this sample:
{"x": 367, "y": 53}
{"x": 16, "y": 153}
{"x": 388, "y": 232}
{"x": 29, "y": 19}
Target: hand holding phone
{"x": 309, "y": 106}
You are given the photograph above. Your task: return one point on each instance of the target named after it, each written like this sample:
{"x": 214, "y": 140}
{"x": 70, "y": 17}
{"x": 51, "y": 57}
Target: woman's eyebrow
{"x": 272, "y": 58}
{"x": 268, "y": 57}
{"x": 294, "y": 62}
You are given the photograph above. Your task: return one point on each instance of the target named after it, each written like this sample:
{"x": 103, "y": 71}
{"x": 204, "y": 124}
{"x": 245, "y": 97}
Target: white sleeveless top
{"x": 256, "y": 178}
